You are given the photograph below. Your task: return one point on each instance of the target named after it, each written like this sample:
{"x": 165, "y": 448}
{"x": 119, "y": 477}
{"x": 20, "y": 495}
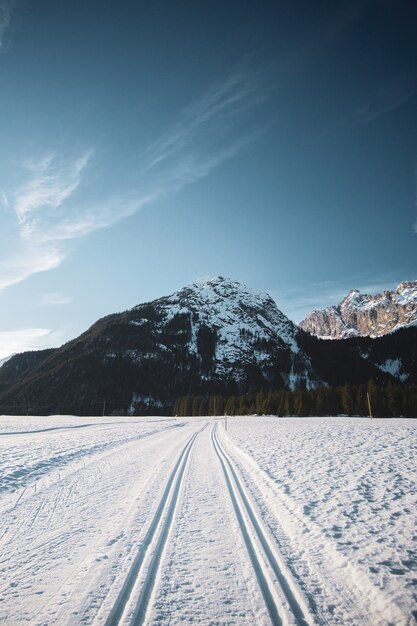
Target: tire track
{"x": 151, "y": 549}
{"x": 280, "y": 599}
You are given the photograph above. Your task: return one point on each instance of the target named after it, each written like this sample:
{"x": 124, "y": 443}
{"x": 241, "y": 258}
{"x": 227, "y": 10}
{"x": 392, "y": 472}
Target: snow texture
{"x": 174, "y": 521}
{"x": 235, "y": 313}
{"x": 229, "y": 306}
{"x": 393, "y": 366}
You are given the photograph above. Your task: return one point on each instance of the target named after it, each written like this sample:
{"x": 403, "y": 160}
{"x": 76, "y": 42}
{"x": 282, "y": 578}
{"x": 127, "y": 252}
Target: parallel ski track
{"x": 161, "y": 522}
{"x": 68, "y": 427}
{"x": 61, "y": 461}
{"x": 260, "y": 550}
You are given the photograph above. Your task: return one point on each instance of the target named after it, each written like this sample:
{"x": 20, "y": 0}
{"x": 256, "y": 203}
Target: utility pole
{"x": 369, "y": 404}
{"x": 104, "y": 407}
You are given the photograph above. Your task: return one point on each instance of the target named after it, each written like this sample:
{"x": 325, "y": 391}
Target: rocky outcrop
{"x": 362, "y": 315}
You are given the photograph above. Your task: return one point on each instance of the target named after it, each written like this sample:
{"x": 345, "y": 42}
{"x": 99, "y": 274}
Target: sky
{"x": 145, "y": 145}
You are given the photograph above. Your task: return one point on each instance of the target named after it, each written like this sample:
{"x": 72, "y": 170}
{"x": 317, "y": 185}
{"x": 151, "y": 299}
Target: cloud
{"x": 40, "y": 208}
{"x": 208, "y": 122}
{"x": 54, "y": 298}
{"x": 51, "y": 207}
{"x": 211, "y": 130}
{"x": 15, "y": 341}
{"x": 27, "y": 260}
{"x": 6, "y": 9}
{"x": 387, "y": 97}
{"x": 5, "y": 200}
{"x": 50, "y": 183}
{"x": 49, "y": 213}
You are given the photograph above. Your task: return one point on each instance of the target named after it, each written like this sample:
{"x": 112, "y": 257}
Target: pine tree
{"x": 196, "y": 406}
{"x": 376, "y": 398}
{"x": 394, "y": 400}
{"x": 243, "y": 405}
{"x": 231, "y": 405}
{"x": 347, "y": 399}
{"x": 175, "y": 408}
{"x": 203, "y": 409}
{"x": 321, "y": 403}
{"x": 281, "y": 404}
{"x": 288, "y": 404}
{"x": 361, "y": 403}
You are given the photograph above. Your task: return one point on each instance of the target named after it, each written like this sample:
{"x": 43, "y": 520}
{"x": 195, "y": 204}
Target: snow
{"x": 175, "y": 521}
{"x": 229, "y": 306}
{"x": 404, "y": 295}
{"x": 400, "y": 304}
{"x": 393, "y": 366}
{"x": 246, "y": 327}
{"x": 340, "y": 495}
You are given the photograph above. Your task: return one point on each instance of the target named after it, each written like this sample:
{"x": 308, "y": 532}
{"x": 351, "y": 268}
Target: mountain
{"x": 390, "y": 358}
{"x": 211, "y": 337}
{"x": 362, "y": 315}
{"x": 214, "y": 336}
{"x": 5, "y": 359}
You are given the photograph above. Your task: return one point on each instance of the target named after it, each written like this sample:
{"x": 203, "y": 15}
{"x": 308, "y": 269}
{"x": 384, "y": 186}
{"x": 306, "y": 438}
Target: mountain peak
{"x": 232, "y": 309}
{"x": 366, "y": 315}
{"x": 223, "y": 287}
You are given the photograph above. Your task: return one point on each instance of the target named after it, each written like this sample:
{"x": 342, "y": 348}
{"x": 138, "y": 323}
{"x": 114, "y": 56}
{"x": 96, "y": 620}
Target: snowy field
{"x": 110, "y": 521}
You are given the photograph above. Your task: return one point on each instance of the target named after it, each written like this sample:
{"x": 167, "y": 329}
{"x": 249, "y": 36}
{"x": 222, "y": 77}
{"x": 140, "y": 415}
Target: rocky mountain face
{"x": 361, "y": 315}
{"x": 212, "y": 337}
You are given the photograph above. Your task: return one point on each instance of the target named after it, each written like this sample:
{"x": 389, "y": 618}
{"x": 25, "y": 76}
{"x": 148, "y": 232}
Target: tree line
{"x": 388, "y": 401}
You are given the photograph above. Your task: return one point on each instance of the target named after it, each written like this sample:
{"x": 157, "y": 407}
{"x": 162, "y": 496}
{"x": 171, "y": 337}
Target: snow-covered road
{"x": 112, "y": 521}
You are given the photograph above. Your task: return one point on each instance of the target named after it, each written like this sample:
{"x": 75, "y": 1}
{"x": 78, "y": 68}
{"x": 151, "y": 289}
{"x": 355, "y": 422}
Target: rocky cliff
{"x": 362, "y": 315}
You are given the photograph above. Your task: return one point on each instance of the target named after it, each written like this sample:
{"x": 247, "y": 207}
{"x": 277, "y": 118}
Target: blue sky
{"x": 147, "y": 144}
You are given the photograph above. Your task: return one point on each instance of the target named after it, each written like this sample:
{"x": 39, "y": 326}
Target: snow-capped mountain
{"x": 231, "y": 325}
{"x": 365, "y": 315}
{"x": 214, "y": 336}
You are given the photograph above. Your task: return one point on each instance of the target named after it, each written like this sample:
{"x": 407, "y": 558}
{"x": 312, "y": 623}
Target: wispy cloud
{"x": 387, "y": 97}
{"x": 5, "y": 200}
{"x": 39, "y": 209}
{"x": 50, "y": 212}
{"x": 15, "y": 341}
{"x": 207, "y": 123}
{"x": 211, "y": 130}
{"x": 6, "y": 10}
{"x": 50, "y": 183}
{"x": 55, "y": 298}
{"x": 27, "y": 260}
{"x": 51, "y": 208}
